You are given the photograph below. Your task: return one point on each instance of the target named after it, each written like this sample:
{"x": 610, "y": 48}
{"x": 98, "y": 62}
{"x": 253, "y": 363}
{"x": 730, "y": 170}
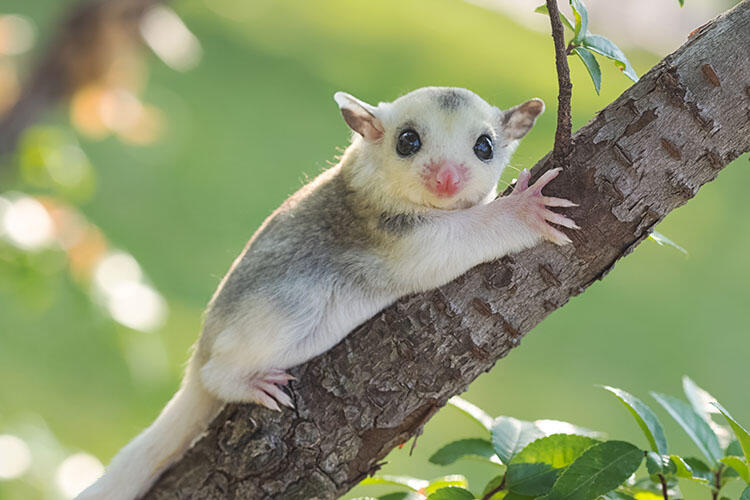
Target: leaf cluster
{"x": 555, "y": 460}
{"x": 587, "y": 45}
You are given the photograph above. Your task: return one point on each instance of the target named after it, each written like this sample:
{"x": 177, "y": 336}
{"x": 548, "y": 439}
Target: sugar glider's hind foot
{"x": 266, "y": 389}
{"x": 229, "y": 379}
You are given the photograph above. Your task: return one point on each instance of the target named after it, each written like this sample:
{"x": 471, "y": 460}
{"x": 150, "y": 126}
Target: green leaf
{"x": 656, "y": 464}
{"x": 591, "y": 66}
{"x": 663, "y": 240}
{"x": 734, "y": 448}
{"x": 700, "y": 469}
{"x": 531, "y": 479}
{"x": 645, "y": 417}
{"x": 693, "y": 424}
{"x": 451, "y": 493}
{"x": 582, "y": 19}
{"x": 464, "y": 448}
{"x": 557, "y": 450}
{"x": 739, "y": 465}
{"x": 411, "y": 483}
{"x": 683, "y": 470}
{"x": 542, "y": 9}
{"x": 617, "y": 495}
{"x": 534, "y": 469}
{"x": 453, "y": 481}
{"x": 599, "y": 470}
{"x": 549, "y": 427}
{"x": 402, "y": 495}
{"x": 608, "y": 49}
{"x": 702, "y": 401}
{"x": 508, "y": 495}
{"x": 471, "y": 410}
{"x": 509, "y": 436}
{"x": 745, "y": 494}
{"x": 647, "y": 495}
{"x": 681, "y": 2}
{"x": 742, "y": 435}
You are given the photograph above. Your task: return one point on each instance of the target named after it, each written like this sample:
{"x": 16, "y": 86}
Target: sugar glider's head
{"x": 438, "y": 147}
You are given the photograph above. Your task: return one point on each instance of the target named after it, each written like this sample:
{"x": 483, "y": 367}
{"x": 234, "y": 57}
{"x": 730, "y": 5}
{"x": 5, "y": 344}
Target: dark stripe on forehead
{"x": 451, "y": 99}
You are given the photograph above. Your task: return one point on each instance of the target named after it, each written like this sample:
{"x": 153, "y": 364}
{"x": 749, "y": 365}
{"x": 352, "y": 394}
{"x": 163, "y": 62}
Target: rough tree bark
{"x": 641, "y": 157}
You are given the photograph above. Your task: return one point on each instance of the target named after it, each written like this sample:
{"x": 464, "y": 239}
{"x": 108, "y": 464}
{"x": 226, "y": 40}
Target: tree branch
{"x": 644, "y": 155}
{"x": 563, "y": 145}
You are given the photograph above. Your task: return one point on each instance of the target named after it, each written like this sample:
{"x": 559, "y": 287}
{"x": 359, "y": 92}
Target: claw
{"x": 560, "y": 219}
{"x": 276, "y": 392}
{"x": 264, "y": 399}
{"x": 545, "y": 179}
{"x": 278, "y": 377}
{"x": 558, "y": 202}
{"x": 266, "y": 389}
{"x": 523, "y": 181}
{"x": 557, "y": 237}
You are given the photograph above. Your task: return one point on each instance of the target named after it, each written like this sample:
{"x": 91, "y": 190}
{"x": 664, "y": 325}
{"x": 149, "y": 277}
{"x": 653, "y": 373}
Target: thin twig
{"x": 491, "y": 493}
{"x": 664, "y": 487}
{"x": 563, "y": 143}
{"x": 717, "y": 484}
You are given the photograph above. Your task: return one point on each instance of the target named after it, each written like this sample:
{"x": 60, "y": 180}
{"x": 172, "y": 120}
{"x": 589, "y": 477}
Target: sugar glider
{"x": 411, "y": 205}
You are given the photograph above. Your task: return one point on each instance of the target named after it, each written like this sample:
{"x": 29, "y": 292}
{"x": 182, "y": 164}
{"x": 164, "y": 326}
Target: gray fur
{"x": 400, "y": 223}
{"x": 451, "y": 99}
{"x": 322, "y": 239}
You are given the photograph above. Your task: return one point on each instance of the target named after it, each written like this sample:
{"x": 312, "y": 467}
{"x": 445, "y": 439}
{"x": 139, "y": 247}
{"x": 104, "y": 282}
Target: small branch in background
{"x": 563, "y": 142}
{"x": 664, "y": 487}
{"x": 499, "y": 488}
{"x": 80, "y": 53}
{"x": 717, "y": 484}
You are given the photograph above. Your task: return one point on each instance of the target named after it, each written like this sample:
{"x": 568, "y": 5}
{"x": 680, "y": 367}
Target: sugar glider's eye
{"x": 408, "y": 143}
{"x": 483, "y": 148}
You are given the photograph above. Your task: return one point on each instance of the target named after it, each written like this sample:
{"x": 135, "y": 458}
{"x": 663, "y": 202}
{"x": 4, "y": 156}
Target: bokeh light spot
{"x": 85, "y": 114}
{"x": 114, "y": 270}
{"x": 137, "y": 306}
{"x": 16, "y": 34}
{"x": 119, "y": 109}
{"x": 77, "y": 472}
{"x": 170, "y": 39}
{"x": 15, "y": 457}
{"x": 69, "y": 166}
{"x": 27, "y": 224}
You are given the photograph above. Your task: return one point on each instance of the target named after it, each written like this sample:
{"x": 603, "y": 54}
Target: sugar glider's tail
{"x": 135, "y": 468}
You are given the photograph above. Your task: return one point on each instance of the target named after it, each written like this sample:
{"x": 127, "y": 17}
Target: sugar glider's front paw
{"x": 533, "y": 207}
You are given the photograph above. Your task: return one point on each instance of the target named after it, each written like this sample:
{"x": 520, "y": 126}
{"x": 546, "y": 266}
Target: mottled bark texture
{"x": 641, "y": 157}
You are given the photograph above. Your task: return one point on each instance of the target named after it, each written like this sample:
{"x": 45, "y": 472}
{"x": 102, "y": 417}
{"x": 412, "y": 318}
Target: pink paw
{"x": 266, "y": 389}
{"x": 533, "y": 206}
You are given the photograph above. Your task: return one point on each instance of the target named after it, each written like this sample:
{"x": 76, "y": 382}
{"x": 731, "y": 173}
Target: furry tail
{"x": 135, "y": 468}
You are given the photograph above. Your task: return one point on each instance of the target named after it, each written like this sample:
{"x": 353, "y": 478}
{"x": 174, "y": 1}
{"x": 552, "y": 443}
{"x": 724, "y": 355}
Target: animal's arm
{"x": 453, "y": 242}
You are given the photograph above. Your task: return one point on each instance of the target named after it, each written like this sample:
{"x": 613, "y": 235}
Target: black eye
{"x": 483, "y": 148}
{"x": 408, "y": 143}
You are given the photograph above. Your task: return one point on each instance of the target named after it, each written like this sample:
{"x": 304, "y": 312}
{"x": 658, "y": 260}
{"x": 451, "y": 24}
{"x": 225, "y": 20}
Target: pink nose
{"x": 447, "y": 182}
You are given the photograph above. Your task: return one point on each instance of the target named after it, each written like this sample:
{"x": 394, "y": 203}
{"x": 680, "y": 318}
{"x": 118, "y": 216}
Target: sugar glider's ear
{"x": 518, "y": 120}
{"x": 360, "y": 117}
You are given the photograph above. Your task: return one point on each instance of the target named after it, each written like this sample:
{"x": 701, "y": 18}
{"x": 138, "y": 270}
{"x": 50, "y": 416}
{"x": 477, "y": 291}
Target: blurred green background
{"x": 236, "y": 134}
